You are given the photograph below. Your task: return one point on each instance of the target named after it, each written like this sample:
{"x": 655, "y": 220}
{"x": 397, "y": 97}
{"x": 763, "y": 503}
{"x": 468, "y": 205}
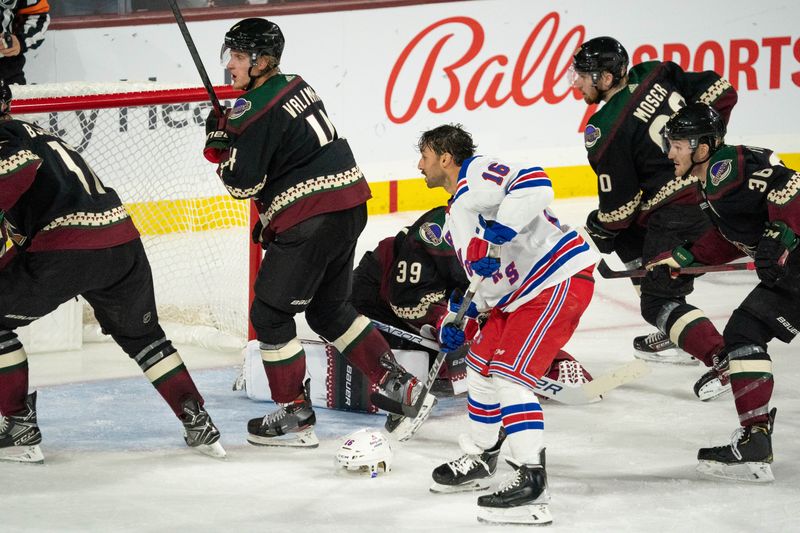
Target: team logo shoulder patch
{"x": 240, "y": 107}
{"x": 591, "y": 135}
{"x": 431, "y": 233}
{"x": 720, "y": 170}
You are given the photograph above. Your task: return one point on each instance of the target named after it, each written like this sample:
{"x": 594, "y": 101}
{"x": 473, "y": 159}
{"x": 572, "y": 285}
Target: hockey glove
{"x": 451, "y": 336}
{"x": 777, "y": 241}
{"x": 217, "y": 139}
{"x": 478, "y": 251}
{"x": 603, "y": 238}
{"x": 677, "y": 258}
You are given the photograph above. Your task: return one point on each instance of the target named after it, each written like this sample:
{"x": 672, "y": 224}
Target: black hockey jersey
{"x": 745, "y": 187}
{"x": 623, "y": 140}
{"x": 286, "y": 154}
{"x": 418, "y": 270}
{"x": 51, "y": 199}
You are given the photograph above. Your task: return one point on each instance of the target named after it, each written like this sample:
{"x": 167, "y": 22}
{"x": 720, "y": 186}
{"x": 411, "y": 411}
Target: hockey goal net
{"x": 145, "y": 140}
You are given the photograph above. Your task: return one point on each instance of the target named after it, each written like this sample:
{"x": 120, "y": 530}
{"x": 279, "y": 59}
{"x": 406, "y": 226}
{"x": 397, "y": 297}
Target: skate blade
{"x": 302, "y": 439}
{"x": 673, "y": 356}
{"x": 407, "y": 427}
{"x": 535, "y": 513}
{"x": 212, "y": 450}
{"x": 22, "y": 454}
{"x": 471, "y": 486}
{"x": 755, "y": 472}
{"x": 709, "y": 393}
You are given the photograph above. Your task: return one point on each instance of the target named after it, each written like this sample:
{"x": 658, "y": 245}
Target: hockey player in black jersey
{"x": 70, "y": 235}
{"x": 278, "y": 146}
{"x": 644, "y": 208}
{"x": 754, "y": 203}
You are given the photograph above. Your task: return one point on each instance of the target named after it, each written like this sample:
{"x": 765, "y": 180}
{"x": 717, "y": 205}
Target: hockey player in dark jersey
{"x": 405, "y": 283}
{"x": 644, "y": 208}
{"x": 754, "y": 203}
{"x": 70, "y": 235}
{"x": 278, "y": 146}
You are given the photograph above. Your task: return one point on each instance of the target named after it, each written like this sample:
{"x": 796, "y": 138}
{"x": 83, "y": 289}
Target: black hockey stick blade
{"x": 198, "y": 63}
{"x": 607, "y": 272}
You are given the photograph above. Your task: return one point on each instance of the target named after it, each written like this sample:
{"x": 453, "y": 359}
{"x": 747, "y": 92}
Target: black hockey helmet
{"x": 5, "y": 97}
{"x": 601, "y": 54}
{"x": 697, "y": 123}
{"x": 256, "y": 36}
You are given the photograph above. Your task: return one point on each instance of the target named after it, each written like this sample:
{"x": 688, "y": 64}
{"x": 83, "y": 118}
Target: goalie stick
{"x": 607, "y": 272}
{"x": 411, "y": 411}
{"x": 406, "y": 335}
{"x": 198, "y": 63}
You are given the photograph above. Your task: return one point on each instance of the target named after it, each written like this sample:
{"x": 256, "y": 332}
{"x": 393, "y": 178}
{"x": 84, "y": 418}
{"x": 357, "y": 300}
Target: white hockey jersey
{"x": 543, "y": 254}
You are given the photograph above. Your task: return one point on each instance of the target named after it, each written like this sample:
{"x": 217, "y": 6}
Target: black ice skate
{"x": 199, "y": 431}
{"x": 20, "y": 436}
{"x": 746, "y": 458}
{"x": 521, "y": 499}
{"x": 471, "y": 471}
{"x": 291, "y": 425}
{"x": 657, "y": 347}
{"x": 714, "y": 383}
{"x": 401, "y": 387}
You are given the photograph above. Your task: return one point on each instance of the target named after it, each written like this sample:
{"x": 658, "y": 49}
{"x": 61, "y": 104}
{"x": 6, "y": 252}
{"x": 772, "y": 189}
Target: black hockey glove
{"x": 217, "y": 139}
{"x": 258, "y": 235}
{"x": 777, "y": 241}
{"x": 603, "y": 238}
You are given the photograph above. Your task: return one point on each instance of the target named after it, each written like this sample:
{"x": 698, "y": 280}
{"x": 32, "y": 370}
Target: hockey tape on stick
{"x": 406, "y": 335}
{"x": 198, "y": 63}
{"x": 393, "y": 406}
{"x": 607, "y": 272}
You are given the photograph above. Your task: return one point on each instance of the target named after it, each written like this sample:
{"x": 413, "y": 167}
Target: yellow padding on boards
{"x": 162, "y": 217}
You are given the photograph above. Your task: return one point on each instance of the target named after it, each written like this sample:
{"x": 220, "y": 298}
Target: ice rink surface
{"x": 115, "y": 459}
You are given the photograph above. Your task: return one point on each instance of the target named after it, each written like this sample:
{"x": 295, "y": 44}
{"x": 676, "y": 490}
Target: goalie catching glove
{"x": 777, "y": 242}
{"x": 218, "y": 141}
{"x": 489, "y": 232}
{"x": 451, "y": 337}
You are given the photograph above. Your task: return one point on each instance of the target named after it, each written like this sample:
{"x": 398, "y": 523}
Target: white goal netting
{"x": 195, "y": 234}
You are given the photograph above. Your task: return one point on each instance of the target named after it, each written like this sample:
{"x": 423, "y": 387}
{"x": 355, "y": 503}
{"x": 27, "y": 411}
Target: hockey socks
{"x": 13, "y": 374}
{"x": 285, "y": 366}
{"x": 163, "y": 366}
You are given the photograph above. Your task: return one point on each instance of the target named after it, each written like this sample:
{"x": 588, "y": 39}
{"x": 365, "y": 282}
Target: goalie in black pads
{"x": 278, "y": 146}
{"x": 644, "y": 208}
{"x": 70, "y": 235}
{"x": 754, "y": 203}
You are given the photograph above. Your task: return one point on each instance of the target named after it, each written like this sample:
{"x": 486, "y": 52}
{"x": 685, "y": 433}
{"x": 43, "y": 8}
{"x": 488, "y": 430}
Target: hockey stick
{"x": 406, "y": 335}
{"x": 591, "y": 391}
{"x": 198, "y": 63}
{"x": 411, "y": 411}
{"x": 607, "y": 272}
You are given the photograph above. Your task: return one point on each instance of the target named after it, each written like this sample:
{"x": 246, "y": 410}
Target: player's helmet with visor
{"x": 257, "y": 37}
{"x": 697, "y": 123}
{"x": 601, "y": 54}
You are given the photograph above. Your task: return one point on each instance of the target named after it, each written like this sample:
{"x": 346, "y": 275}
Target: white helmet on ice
{"x": 365, "y": 450}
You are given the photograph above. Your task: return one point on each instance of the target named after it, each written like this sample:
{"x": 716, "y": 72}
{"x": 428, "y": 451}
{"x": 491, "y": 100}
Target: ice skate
{"x": 20, "y": 436}
{"x": 658, "y": 348}
{"x": 199, "y": 431}
{"x": 522, "y": 498}
{"x": 714, "y": 383}
{"x": 402, "y": 387}
{"x": 291, "y": 425}
{"x": 472, "y": 471}
{"x": 746, "y": 458}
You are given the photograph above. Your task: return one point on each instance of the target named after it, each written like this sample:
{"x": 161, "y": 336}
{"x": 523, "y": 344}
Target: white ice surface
{"x": 115, "y": 459}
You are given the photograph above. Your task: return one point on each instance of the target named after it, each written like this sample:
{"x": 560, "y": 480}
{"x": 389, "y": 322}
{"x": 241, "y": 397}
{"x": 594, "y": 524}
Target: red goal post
{"x": 145, "y": 140}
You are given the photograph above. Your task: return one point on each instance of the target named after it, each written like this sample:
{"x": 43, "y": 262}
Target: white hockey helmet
{"x": 365, "y": 450}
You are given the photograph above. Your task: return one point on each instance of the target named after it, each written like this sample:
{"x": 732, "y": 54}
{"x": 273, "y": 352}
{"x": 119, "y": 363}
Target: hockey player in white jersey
{"x": 537, "y": 282}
